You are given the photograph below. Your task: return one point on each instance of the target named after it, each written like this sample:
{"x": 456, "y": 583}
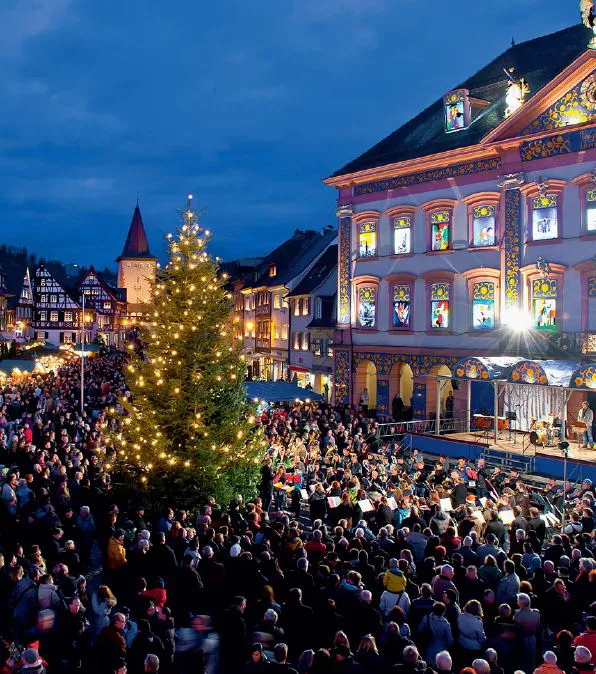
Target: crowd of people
{"x": 354, "y": 557}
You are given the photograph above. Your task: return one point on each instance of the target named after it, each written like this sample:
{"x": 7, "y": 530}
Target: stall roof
{"x": 10, "y": 365}
{"x": 278, "y": 391}
{"x": 572, "y": 374}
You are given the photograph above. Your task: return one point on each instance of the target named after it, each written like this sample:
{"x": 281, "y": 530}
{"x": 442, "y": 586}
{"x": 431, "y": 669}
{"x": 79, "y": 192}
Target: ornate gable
{"x": 566, "y": 102}
{"x": 576, "y": 106}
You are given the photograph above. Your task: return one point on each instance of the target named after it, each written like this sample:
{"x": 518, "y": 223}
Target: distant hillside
{"x": 14, "y": 260}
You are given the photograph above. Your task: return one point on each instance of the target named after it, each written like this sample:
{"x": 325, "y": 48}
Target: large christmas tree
{"x": 188, "y": 431}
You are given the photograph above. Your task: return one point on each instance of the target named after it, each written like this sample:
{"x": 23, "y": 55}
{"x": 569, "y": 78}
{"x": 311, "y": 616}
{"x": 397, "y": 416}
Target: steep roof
{"x": 318, "y": 273}
{"x": 137, "y": 245}
{"x": 294, "y": 255}
{"x": 538, "y": 61}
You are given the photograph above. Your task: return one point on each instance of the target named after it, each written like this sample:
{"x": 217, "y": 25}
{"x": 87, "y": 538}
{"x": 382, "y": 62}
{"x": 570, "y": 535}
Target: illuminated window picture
{"x": 484, "y": 226}
{"x": 455, "y": 110}
{"x": 439, "y": 305}
{"x": 544, "y": 217}
{"x": 366, "y": 307}
{"x": 401, "y": 306}
{"x": 368, "y": 239}
{"x": 483, "y": 306}
{"x": 544, "y": 299}
{"x": 440, "y": 223}
{"x": 591, "y": 211}
{"x": 402, "y": 232}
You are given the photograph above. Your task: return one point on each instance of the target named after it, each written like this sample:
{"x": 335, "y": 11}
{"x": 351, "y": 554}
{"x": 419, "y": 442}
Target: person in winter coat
{"x": 508, "y": 586}
{"x": 588, "y": 638}
{"x": 116, "y": 559}
{"x": 549, "y": 665}
{"x": 435, "y": 631}
{"x": 582, "y": 661}
{"x": 394, "y": 580}
{"x": 444, "y": 581}
{"x": 23, "y": 602}
{"x": 318, "y": 503}
{"x": 47, "y": 593}
{"x": 471, "y": 636}
{"x": 440, "y": 521}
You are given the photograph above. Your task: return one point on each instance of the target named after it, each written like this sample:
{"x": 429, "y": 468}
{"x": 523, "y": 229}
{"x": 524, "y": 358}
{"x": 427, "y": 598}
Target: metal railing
{"x": 397, "y": 430}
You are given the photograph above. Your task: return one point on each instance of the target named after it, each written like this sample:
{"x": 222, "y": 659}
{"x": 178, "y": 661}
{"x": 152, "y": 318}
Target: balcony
{"x": 556, "y": 344}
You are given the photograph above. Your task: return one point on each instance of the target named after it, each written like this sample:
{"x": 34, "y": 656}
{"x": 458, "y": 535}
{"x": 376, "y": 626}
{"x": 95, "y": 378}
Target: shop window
{"x": 401, "y": 306}
{"x": 544, "y": 217}
{"x": 402, "y": 235}
{"x": 591, "y": 211}
{"x": 366, "y": 306}
{"x": 367, "y": 243}
{"x": 544, "y": 303}
{"x": 483, "y": 305}
{"x": 439, "y": 306}
{"x": 440, "y": 224}
{"x": 484, "y": 225}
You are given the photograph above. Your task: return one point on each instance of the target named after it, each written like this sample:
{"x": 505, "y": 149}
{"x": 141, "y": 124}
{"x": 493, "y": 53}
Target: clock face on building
{"x": 587, "y": 93}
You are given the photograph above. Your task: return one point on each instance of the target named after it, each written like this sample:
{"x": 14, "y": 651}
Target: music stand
{"x": 578, "y": 428}
{"x": 512, "y": 416}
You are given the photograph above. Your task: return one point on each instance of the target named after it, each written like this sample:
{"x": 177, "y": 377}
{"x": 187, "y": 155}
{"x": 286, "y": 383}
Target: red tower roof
{"x": 136, "y": 242}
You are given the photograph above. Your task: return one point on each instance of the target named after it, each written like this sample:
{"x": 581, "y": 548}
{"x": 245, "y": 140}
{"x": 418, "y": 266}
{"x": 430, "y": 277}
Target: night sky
{"x": 246, "y": 104}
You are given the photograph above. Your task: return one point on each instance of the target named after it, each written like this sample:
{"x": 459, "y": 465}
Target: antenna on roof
{"x": 512, "y": 41}
{"x": 138, "y": 195}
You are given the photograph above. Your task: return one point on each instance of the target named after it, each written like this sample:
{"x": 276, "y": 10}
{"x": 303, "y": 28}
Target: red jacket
{"x": 587, "y": 639}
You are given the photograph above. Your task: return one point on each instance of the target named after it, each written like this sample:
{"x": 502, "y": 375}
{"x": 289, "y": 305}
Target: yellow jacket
{"x": 394, "y": 581}
{"x": 116, "y": 554}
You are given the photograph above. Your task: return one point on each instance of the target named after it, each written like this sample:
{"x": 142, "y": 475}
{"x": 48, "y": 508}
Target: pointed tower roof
{"x": 136, "y": 245}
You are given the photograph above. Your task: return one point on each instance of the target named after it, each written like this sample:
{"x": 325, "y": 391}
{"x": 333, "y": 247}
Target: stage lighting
{"x": 516, "y": 319}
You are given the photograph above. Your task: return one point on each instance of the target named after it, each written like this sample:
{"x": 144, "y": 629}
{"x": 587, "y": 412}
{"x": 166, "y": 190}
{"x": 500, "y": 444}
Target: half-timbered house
{"x": 108, "y": 305}
{"x": 57, "y": 314}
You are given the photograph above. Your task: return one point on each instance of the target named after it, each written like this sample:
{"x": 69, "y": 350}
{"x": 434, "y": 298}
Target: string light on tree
{"x": 188, "y": 408}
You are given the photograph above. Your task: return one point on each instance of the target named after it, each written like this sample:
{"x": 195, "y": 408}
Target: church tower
{"x": 136, "y": 265}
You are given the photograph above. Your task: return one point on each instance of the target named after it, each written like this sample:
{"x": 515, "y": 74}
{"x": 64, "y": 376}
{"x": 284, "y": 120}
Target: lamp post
{"x": 83, "y": 357}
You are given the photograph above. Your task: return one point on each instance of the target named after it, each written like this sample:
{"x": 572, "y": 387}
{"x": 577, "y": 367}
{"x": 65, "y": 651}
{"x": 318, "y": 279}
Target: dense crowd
{"x": 355, "y": 556}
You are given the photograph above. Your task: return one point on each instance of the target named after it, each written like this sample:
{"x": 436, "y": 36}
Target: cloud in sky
{"x": 247, "y": 105}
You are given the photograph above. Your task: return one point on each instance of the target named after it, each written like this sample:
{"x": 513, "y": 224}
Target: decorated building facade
{"x": 471, "y": 232}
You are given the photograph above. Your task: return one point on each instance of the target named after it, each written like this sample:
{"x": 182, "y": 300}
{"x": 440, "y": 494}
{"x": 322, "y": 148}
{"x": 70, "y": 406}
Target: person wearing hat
{"x": 588, "y": 638}
{"x": 31, "y": 663}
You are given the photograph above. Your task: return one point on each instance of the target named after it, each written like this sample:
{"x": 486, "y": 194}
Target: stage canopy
{"x": 571, "y": 374}
{"x": 278, "y": 391}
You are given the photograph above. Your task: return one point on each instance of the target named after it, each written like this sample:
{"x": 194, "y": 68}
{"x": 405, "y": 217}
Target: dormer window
{"x": 457, "y": 110}
{"x": 272, "y": 270}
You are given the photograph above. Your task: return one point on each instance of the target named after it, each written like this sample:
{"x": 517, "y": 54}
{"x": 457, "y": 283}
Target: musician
{"x": 587, "y": 416}
{"x": 482, "y": 475}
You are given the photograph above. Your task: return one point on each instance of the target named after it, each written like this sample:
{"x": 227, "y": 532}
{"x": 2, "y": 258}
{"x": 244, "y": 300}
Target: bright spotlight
{"x": 516, "y": 319}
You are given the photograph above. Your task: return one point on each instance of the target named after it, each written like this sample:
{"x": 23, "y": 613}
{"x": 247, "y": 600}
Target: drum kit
{"x": 545, "y": 432}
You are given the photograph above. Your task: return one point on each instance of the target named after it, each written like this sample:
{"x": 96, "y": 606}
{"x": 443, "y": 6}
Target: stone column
{"x": 512, "y": 245}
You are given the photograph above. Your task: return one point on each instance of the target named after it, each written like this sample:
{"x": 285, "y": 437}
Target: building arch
{"x": 442, "y": 370}
{"x": 366, "y": 377}
{"x": 401, "y": 382}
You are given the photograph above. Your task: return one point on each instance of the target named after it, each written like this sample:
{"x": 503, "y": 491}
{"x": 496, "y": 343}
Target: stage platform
{"x": 545, "y": 461}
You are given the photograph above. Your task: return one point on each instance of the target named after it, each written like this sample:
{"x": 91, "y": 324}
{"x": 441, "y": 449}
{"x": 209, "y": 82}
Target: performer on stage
{"x": 587, "y": 416}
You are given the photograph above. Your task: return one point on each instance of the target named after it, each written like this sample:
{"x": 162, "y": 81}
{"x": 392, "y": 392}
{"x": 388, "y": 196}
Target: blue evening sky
{"x": 246, "y": 104}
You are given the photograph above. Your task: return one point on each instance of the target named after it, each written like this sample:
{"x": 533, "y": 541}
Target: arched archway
{"x": 366, "y": 377}
{"x": 401, "y": 382}
{"x": 431, "y": 390}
